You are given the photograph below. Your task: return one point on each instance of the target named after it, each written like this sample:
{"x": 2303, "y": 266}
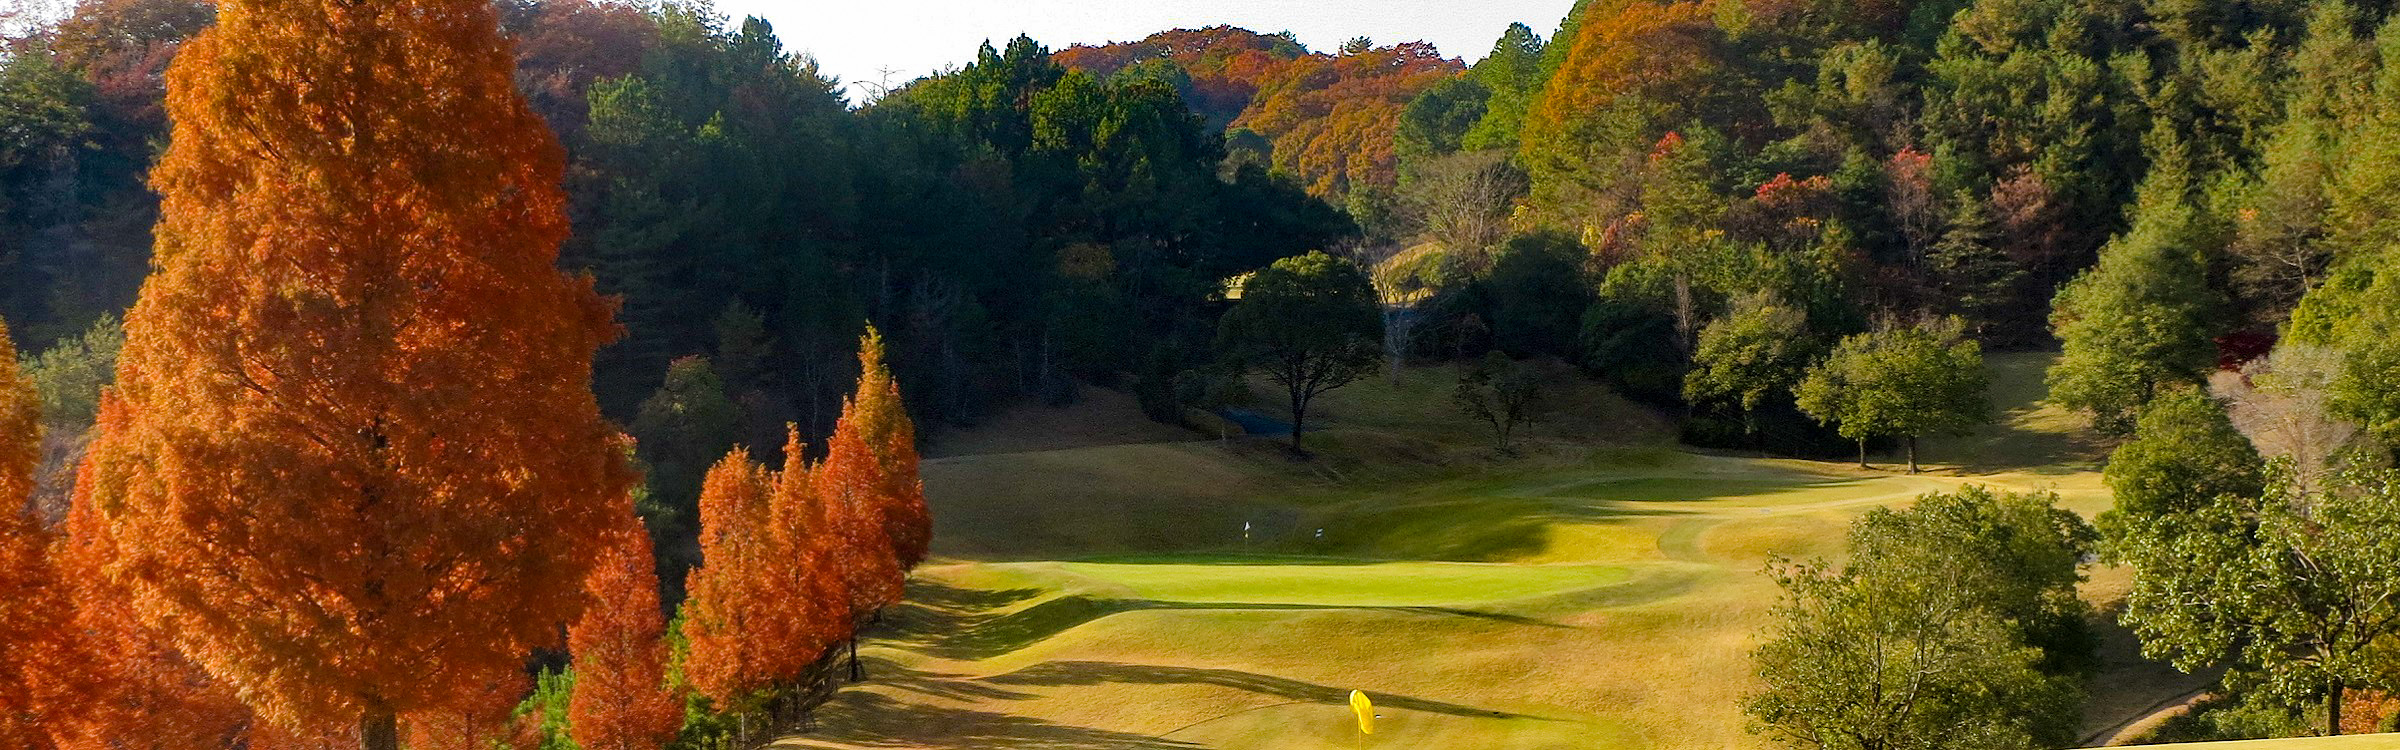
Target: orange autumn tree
{"x": 39, "y": 660}
{"x": 621, "y": 700}
{"x": 361, "y": 462}
{"x": 811, "y": 592}
{"x": 1331, "y": 118}
{"x": 482, "y": 719}
{"x": 728, "y": 617}
{"x": 145, "y": 695}
{"x": 882, "y": 421}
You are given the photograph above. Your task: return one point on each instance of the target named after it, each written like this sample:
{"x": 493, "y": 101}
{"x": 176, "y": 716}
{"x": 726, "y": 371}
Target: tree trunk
{"x": 857, "y": 673}
{"x": 1862, "y": 454}
{"x": 2333, "y": 709}
{"x": 378, "y": 727}
{"x": 1912, "y": 454}
{"x": 1299, "y": 416}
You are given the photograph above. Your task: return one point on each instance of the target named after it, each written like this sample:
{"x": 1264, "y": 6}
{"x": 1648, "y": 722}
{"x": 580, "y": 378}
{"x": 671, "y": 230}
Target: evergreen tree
{"x": 1977, "y": 281}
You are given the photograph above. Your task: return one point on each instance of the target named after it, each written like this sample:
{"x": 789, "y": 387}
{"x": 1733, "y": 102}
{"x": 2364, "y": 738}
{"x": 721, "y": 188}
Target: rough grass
{"x": 1593, "y": 591}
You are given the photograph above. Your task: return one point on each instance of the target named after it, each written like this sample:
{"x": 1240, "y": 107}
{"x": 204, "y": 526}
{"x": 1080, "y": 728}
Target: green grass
{"x": 1597, "y": 590}
{"x": 1396, "y": 584}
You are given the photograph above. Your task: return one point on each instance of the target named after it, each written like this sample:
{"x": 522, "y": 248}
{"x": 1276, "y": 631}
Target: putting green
{"x": 1387, "y": 584}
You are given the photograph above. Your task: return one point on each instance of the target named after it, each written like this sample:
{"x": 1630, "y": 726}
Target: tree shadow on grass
{"x": 1058, "y": 673}
{"x": 866, "y": 719}
{"x": 983, "y": 636}
{"x": 955, "y": 687}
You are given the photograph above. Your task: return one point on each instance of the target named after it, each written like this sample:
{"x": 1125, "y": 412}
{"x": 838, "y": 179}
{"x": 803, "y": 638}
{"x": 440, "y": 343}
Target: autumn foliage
{"x": 1331, "y": 118}
{"x": 357, "y": 462}
{"x": 621, "y": 701}
{"x": 143, "y": 693}
{"x": 792, "y": 561}
{"x": 41, "y": 662}
{"x": 1224, "y": 63}
{"x": 727, "y": 618}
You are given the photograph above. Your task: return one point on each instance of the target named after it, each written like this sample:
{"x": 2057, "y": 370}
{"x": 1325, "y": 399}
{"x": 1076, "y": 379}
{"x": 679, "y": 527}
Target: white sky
{"x": 856, "y": 40}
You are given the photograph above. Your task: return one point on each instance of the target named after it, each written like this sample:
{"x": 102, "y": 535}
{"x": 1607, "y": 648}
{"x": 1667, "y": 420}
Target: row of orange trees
{"x": 351, "y": 472}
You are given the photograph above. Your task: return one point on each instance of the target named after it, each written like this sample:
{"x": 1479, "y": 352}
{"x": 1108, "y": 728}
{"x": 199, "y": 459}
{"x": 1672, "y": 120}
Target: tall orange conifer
{"x": 621, "y": 700}
{"x": 814, "y": 601}
{"x": 364, "y": 465}
{"x": 725, "y": 620}
{"x": 39, "y": 663}
{"x": 884, "y": 424}
{"x": 849, "y": 486}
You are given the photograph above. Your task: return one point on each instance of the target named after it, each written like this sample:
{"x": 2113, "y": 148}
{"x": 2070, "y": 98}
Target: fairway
{"x": 1324, "y": 582}
{"x": 1594, "y": 593}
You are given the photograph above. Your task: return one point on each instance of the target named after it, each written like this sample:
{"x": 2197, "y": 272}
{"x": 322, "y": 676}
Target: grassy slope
{"x": 1594, "y": 593}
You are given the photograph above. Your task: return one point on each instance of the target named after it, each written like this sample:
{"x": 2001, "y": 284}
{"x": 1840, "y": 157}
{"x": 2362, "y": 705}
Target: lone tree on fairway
{"x": 1310, "y": 323}
{"x": 1502, "y": 392}
{"x": 359, "y": 463}
{"x": 1952, "y": 626}
{"x": 1901, "y": 381}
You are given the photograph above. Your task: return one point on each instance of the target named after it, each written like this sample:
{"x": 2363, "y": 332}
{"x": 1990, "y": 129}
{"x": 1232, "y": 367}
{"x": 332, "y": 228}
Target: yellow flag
{"x": 1365, "y": 710}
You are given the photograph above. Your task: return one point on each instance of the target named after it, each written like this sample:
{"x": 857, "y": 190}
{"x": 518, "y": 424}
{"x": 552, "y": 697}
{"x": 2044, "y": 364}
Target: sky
{"x": 860, "y": 40}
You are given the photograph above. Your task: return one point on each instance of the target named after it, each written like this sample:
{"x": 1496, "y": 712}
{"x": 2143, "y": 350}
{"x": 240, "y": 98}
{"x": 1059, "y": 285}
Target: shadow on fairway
{"x": 861, "y": 718}
{"x": 956, "y": 629}
{"x": 1056, "y": 673}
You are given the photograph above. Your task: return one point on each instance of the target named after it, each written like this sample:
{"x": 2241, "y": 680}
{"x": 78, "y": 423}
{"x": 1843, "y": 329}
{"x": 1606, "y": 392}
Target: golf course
{"x": 1600, "y": 589}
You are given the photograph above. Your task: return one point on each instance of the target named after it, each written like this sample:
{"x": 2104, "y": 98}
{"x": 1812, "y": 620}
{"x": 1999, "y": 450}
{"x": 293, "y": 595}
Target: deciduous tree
{"x": 145, "y": 694}
{"x": 1756, "y": 352}
{"x": 360, "y": 220}
{"x": 43, "y": 662}
{"x": 1310, "y": 323}
{"x": 727, "y": 619}
{"x": 621, "y": 701}
{"x": 2292, "y": 589}
{"x": 1502, "y": 392}
{"x": 1923, "y": 640}
{"x": 881, "y": 420}
{"x": 1901, "y": 381}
